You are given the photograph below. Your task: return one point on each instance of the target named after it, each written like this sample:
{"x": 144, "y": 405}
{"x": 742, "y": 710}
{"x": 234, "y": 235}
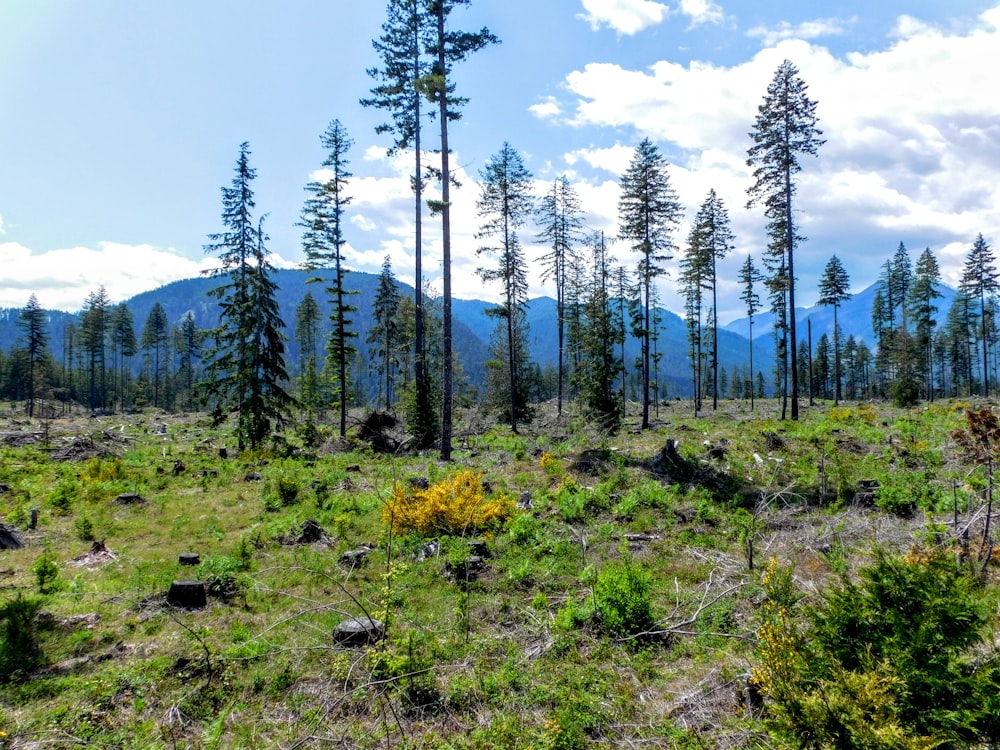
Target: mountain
{"x": 854, "y": 317}
{"x": 473, "y": 328}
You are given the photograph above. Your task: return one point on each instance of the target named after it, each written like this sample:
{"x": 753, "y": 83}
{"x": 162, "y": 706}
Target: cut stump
{"x": 188, "y": 594}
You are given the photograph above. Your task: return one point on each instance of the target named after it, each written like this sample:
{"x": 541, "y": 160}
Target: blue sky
{"x": 122, "y": 120}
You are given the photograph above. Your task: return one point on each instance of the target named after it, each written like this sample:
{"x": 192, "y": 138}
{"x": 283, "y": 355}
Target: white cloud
{"x": 2, "y": 231}
{"x": 624, "y": 16}
{"x": 912, "y": 152}
{"x": 546, "y": 109}
{"x": 62, "y": 278}
{"x": 702, "y": 11}
{"x": 614, "y": 159}
{"x": 807, "y": 30}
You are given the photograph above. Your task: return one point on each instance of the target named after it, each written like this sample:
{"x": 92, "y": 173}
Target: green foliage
{"x": 905, "y": 492}
{"x": 46, "y": 571}
{"x": 905, "y": 392}
{"x": 893, "y": 661}
{"x": 622, "y": 596}
{"x": 64, "y": 495}
{"x": 84, "y": 529}
{"x": 20, "y": 651}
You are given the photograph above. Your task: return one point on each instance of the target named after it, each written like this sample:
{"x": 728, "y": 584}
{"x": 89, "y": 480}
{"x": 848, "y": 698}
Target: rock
{"x": 354, "y": 558}
{"x": 359, "y": 631}
{"x": 9, "y": 538}
{"x": 524, "y": 501}
{"x": 129, "y": 498}
{"x": 428, "y": 550}
{"x": 188, "y": 594}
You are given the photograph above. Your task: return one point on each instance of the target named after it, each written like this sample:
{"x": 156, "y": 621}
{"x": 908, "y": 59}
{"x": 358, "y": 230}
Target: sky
{"x": 120, "y": 121}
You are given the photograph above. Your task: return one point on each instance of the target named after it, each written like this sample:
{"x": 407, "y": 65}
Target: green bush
{"x": 19, "y": 648}
{"x": 621, "y": 593}
{"x": 46, "y": 572}
{"x": 896, "y": 660}
{"x": 64, "y": 495}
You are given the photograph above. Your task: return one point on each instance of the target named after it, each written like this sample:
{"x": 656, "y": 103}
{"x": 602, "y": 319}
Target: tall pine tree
{"x": 833, "y": 289}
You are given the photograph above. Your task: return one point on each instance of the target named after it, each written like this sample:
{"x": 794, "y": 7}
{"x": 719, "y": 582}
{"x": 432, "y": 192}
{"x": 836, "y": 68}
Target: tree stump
{"x": 189, "y": 558}
{"x": 188, "y": 594}
{"x": 359, "y": 631}
{"x": 129, "y": 498}
{"x": 223, "y": 453}
{"x": 9, "y": 538}
{"x": 354, "y": 558}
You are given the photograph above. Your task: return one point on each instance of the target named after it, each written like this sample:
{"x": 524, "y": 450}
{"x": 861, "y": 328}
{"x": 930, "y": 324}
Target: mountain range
{"x": 473, "y": 328}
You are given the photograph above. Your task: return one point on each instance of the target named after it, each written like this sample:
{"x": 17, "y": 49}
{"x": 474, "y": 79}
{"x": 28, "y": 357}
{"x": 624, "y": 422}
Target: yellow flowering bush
{"x": 454, "y": 505}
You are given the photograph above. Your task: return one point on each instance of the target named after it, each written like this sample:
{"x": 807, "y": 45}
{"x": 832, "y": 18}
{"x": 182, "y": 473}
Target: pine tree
{"x": 784, "y": 129}
{"x": 323, "y": 242}
{"x": 923, "y": 313}
{"x": 188, "y": 345}
{"x": 400, "y": 90}
{"x": 124, "y": 346}
{"x": 155, "y": 341}
{"x": 694, "y": 270}
{"x": 446, "y": 48}
{"x": 307, "y": 317}
{"x": 712, "y": 240}
{"x": 94, "y": 331}
{"x": 648, "y": 215}
{"x": 36, "y": 341}
{"x": 246, "y": 372}
{"x": 505, "y": 204}
{"x": 560, "y": 217}
{"x": 599, "y": 366}
{"x": 980, "y": 279}
{"x": 748, "y": 277}
{"x": 386, "y": 334}
{"x": 833, "y": 289}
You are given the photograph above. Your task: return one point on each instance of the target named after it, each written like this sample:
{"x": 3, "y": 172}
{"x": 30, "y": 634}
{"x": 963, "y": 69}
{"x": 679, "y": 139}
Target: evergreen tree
{"x": 446, "y": 48}
{"x": 36, "y": 341}
{"x": 648, "y": 214}
{"x": 124, "y": 346}
{"x": 323, "y": 242}
{"x": 93, "y": 331}
{"x": 246, "y": 372}
{"x": 784, "y": 129}
{"x": 188, "y": 345}
{"x": 504, "y": 205}
{"x": 981, "y": 280}
{"x": 748, "y": 277}
{"x": 712, "y": 240}
{"x": 833, "y": 289}
{"x": 599, "y": 366}
{"x": 821, "y": 370}
{"x": 560, "y": 217}
{"x": 155, "y": 341}
{"x": 400, "y": 90}
{"x": 307, "y": 317}
{"x": 386, "y": 334}
{"x": 923, "y": 313}
{"x": 694, "y": 270}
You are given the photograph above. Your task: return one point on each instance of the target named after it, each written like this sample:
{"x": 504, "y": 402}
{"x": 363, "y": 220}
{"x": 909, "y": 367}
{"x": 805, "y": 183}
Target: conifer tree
{"x": 188, "y": 345}
{"x": 833, "y": 289}
{"x": 386, "y": 335}
{"x": 981, "y": 280}
{"x": 400, "y": 90}
{"x": 124, "y": 346}
{"x": 748, "y": 277}
{"x": 923, "y": 312}
{"x": 505, "y": 204}
{"x": 94, "y": 331}
{"x": 246, "y": 372}
{"x": 155, "y": 341}
{"x": 560, "y": 218}
{"x": 710, "y": 241}
{"x": 648, "y": 215}
{"x": 36, "y": 341}
{"x": 323, "y": 242}
{"x": 784, "y": 130}
{"x": 307, "y": 317}
{"x": 446, "y": 48}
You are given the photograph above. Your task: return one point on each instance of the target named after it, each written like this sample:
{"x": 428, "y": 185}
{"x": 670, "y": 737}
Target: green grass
{"x": 520, "y": 657}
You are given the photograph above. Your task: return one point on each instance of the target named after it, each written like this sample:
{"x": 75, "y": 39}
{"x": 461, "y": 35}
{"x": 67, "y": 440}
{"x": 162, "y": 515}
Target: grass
{"x": 516, "y": 656}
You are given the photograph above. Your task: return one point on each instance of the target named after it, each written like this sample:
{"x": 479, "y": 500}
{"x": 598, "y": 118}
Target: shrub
{"x": 621, "y": 593}
{"x": 893, "y": 661}
{"x": 46, "y": 572}
{"x": 19, "y": 649}
{"x": 455, "y": 505}
{"x": 64, "y": 495}
{"x": 84, "y": 529}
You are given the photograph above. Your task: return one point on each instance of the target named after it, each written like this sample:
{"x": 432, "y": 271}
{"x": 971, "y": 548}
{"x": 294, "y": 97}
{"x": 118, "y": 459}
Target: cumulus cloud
{"x": 624, "y": 16}
{"x": 913, "y": 139}
{"x": 820, "y": 27}
{"x": 702, "y": 11}
{"x": 2, "y": 231}
{"x": 546, "y": 109}
{"x": 62, "y": 278}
